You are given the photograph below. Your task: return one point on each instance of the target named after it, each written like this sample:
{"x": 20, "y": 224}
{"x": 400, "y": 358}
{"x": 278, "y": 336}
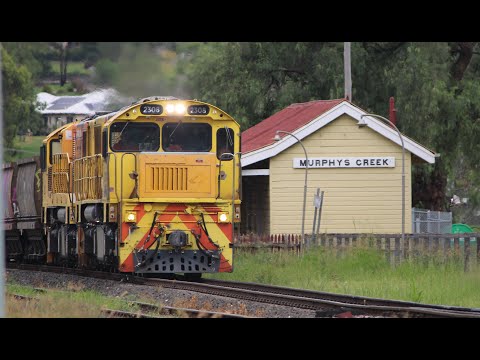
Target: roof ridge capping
{"x": 316, "y": 101}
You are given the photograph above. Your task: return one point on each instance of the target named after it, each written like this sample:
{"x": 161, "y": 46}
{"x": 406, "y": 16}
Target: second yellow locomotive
{"x": 151, "y": 188}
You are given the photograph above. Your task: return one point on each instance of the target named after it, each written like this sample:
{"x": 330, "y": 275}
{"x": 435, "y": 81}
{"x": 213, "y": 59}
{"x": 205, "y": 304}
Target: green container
{"x": 461, "y": 229}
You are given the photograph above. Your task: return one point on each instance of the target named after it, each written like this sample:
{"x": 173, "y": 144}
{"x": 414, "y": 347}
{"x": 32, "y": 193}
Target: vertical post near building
{"x": 316, "y": 205}
{"x": 2, "y": 212}
{"x": 319, "y": 216}
{"x": 347, "y": 70}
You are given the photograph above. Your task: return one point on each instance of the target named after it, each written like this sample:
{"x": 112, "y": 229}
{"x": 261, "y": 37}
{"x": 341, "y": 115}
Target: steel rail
{"x": 321, "y": 302}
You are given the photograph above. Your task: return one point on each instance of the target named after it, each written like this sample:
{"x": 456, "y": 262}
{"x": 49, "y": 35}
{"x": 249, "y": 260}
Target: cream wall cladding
{"x": 357, "y": 199}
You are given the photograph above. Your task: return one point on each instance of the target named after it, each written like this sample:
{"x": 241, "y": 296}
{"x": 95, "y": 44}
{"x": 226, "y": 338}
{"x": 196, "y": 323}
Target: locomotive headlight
{"x": 180, "y": 109}
{"x": 170, "y": 108}
{"x": 131, "y": 216}
{"x": 222, "y": 217}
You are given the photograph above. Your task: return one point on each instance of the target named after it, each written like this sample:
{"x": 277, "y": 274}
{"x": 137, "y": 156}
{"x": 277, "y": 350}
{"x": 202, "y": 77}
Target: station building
{"x": 355, "y": 161}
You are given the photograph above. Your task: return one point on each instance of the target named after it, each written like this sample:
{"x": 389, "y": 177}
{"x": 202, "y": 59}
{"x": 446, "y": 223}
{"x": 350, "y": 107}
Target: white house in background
{"x": 59, "y": 110}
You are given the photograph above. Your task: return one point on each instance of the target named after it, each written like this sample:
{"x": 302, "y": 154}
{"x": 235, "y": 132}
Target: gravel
{"x": 156, "y": 295}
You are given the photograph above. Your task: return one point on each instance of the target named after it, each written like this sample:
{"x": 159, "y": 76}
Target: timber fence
{"x": 465, "y": 247}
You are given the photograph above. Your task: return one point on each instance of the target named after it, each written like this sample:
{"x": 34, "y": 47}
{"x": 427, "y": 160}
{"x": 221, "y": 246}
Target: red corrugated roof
{"x": 289, "y": 119}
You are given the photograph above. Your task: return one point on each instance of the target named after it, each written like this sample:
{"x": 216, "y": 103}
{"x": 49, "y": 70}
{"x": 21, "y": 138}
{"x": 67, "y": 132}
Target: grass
{"x": 73, "y": 303}
{"x": 25, "y": 147}
{"x": 77, "y": 302}
{"x": 359, "y": 271}
{"x": 363, "y": 272}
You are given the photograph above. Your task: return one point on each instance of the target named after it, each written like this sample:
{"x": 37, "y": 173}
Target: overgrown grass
{"x": 77, "y": 302}
{"x": 362, "y": 271}
{"x": 73, "y": 303}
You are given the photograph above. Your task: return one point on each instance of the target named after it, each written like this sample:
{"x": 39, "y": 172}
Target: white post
{"x": 2, "y": 213}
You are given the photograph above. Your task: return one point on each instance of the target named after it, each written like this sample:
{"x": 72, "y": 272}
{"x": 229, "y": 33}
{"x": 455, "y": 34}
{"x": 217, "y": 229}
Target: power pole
{"x": 2, "y": 212}
{"x": 347, "y": 71}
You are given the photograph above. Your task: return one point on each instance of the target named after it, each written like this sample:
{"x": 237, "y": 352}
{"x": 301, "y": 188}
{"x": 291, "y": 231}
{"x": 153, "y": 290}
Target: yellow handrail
{"x": 88, "y": 177}
{"x": 60, "y": 170}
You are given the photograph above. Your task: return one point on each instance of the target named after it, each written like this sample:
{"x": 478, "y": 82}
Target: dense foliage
{"x": 19, "y": 113}
{"x": 434, "y": 85}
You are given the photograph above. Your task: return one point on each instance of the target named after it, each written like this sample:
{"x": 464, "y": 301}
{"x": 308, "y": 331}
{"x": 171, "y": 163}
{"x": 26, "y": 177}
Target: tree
{"x": 63, "y": 62}
{"x": 34, "y": 55}
{"x": 18, "y": 100}
{"x": 436, "y": 102}
{"x": 254, "y": 80}
{"x": 62, "y": 53}
{"x": 462, "y": 53}
{"x": 434, "y": 84}
{"x": 137, "y": 69}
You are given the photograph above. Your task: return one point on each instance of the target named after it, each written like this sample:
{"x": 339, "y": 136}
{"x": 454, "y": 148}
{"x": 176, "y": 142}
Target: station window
{"x": 130, "y": 136}
{"x": 187, "y": 137}
{"x": 225, "y": 141}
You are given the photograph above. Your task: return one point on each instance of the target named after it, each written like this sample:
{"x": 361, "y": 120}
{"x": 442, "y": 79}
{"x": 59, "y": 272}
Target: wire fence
{"x": 431, "y": 222}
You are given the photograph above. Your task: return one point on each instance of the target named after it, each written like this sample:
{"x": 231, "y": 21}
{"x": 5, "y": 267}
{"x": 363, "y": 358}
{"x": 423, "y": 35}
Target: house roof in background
{"x": 86, "y": 104}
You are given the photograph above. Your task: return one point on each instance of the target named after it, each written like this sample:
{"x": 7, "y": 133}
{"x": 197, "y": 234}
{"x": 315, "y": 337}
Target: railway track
{"x": 325, "y": 304}
{"x": 348, "y": 300}
{"x": 146, "y": 310}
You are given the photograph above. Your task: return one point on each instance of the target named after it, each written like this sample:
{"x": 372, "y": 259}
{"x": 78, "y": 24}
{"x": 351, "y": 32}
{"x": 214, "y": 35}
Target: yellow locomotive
{"x": 153, "y": 188}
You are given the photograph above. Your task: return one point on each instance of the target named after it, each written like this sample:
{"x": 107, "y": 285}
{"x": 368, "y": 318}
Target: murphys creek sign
{"x": 344, "y": 162}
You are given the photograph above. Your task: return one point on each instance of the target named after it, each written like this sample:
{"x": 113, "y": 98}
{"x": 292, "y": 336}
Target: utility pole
{"x": 2, "y": 212}
{"x": 347, "y": 71}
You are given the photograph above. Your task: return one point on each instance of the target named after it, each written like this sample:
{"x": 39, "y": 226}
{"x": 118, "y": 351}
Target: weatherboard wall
{"x": 356, "y": 200}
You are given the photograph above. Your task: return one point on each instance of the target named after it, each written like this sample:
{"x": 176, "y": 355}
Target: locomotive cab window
{"x": 186, "y": 137}
{"x": 55, "y": 148}
{"x": 130, "y": 136}
{"x": 225, "y": 142}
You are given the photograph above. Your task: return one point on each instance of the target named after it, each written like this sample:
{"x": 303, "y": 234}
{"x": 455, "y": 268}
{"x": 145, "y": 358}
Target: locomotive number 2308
{"x": 198, "y": 110}
{"x": 151, "y": 109}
